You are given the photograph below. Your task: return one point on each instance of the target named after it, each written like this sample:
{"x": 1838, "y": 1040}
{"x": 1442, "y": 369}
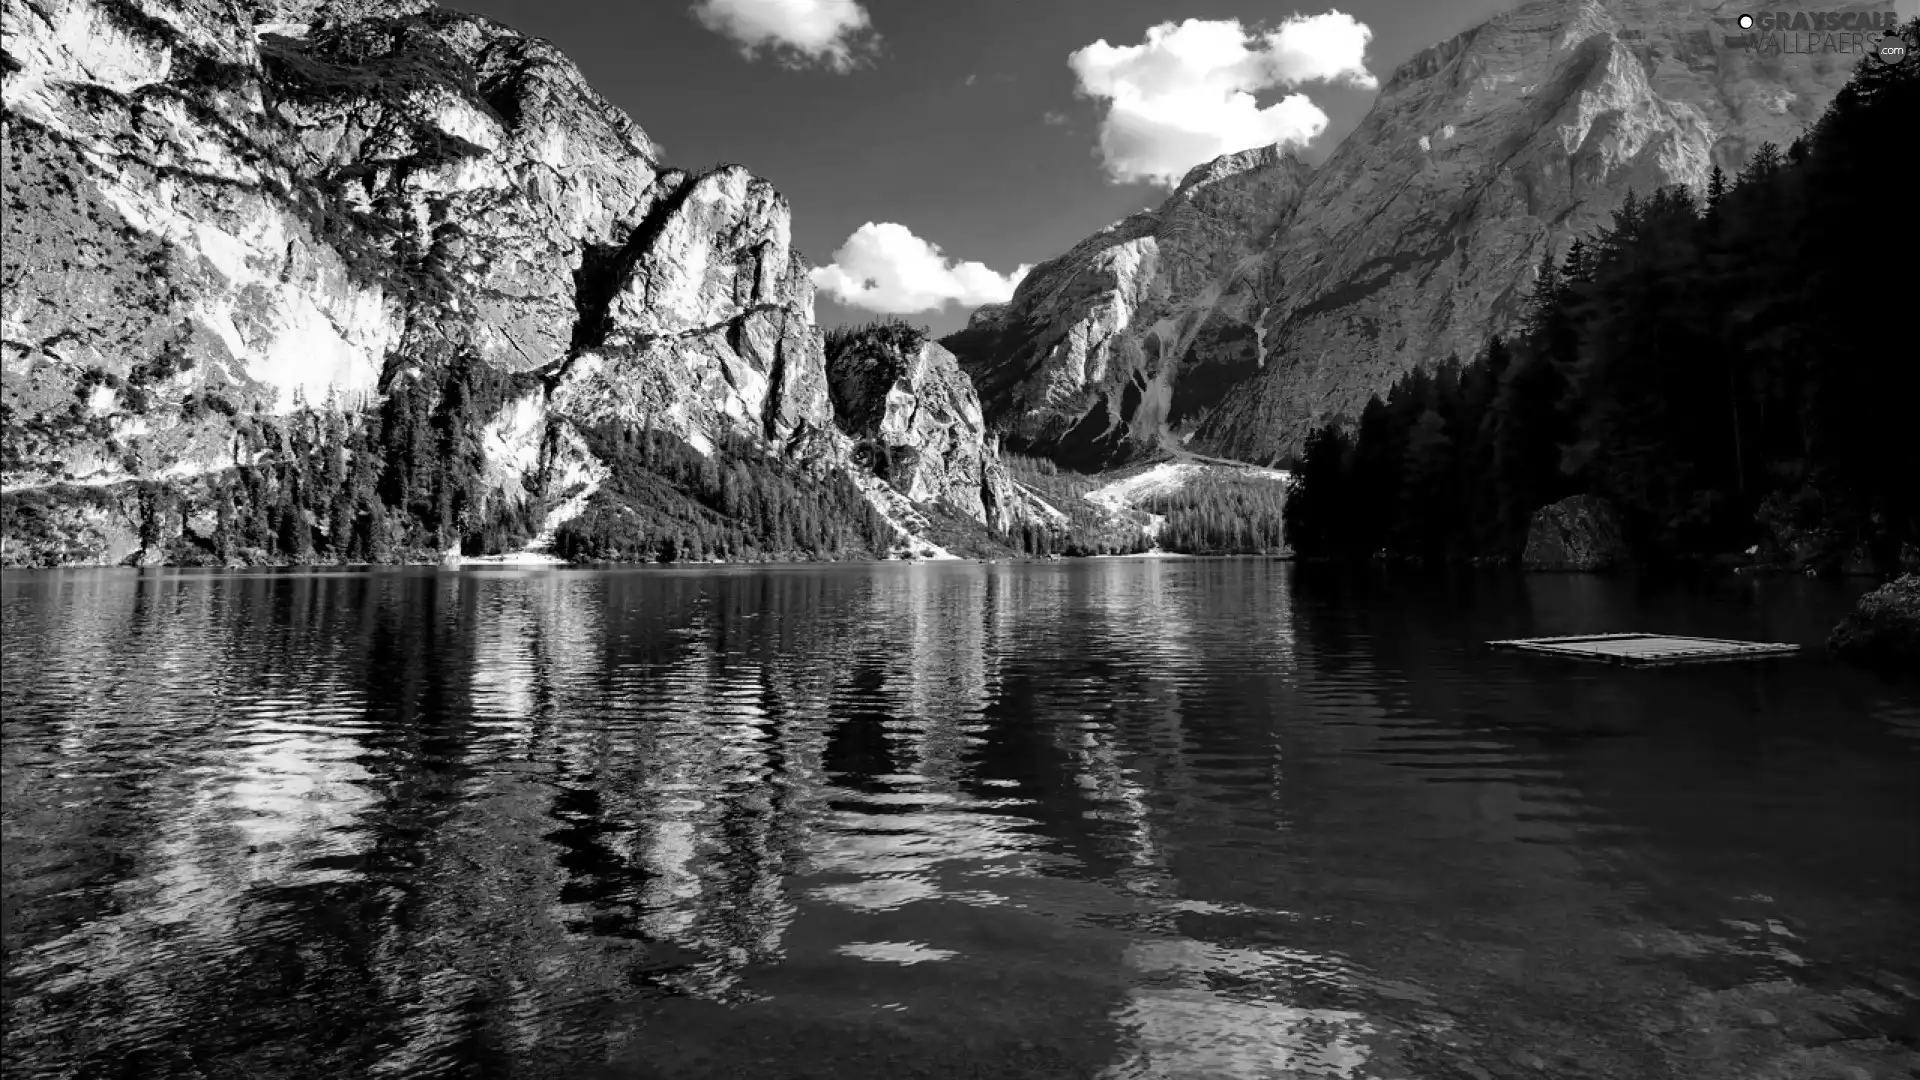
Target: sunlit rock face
{"x": 1139, "y": 327}
{"x": 282, "y": 209}
{"x": 702, "y": 320}
{"x": 213, "y": 210}
{"x": 286, "y": 208}
{"x": 1311, "y": 290}
{"x": 917, "y": 423}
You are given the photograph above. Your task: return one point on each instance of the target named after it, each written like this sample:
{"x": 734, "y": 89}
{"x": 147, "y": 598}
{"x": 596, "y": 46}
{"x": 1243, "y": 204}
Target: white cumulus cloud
{"x": 1185, "y": 95}
{"x": 829, "y": 33}
{"x": 883, "y": 267}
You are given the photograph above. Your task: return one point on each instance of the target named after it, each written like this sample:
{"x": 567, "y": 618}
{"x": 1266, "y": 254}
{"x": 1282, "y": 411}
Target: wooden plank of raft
{"x": 1647, "y": 649}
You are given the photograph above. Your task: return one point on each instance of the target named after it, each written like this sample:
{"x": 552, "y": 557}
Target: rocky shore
{"x": 1884, "y": 626}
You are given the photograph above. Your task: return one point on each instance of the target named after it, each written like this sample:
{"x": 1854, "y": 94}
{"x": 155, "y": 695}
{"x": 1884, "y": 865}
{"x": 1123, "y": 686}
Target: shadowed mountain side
{"x": 1294, "y": 295}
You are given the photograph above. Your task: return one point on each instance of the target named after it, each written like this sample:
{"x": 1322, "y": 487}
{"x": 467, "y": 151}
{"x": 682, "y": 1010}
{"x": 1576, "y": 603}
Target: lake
{"x": 1112, "y": 819}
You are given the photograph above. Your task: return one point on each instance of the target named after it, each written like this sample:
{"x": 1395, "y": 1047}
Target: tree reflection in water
{"x": 1116, "y": 819}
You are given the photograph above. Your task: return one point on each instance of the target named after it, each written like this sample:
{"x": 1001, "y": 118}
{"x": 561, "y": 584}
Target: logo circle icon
{"x": 1746, "y": 22}
{"x": 1890, "y": 50}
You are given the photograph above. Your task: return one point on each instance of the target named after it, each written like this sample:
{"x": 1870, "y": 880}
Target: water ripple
{"x": 1121, "y": 818}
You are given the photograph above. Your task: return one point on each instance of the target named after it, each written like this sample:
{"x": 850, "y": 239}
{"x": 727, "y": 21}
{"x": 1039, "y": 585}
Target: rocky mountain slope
{"x": 917, "y": 422}
{"x": 222, "y": 215}
{"x": 1264, "y": 298}
{"x": 1141, "y": 327}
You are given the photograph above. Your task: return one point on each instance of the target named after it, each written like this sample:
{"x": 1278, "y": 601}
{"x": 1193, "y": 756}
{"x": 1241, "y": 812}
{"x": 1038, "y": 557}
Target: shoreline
{"x": 525, "y": 560}
{"x": 538, "y": 560}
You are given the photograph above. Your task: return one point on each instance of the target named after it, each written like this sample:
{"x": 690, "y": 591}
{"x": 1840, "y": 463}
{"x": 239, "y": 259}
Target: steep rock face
{"x": 1140, "y": 327}
{"x": 1418, "y": 236}
{"x": 278, "y": 210}
{"x": 703, "y": 320}
{"x": 216, "y": 211}
{"x": 917, "y": 423}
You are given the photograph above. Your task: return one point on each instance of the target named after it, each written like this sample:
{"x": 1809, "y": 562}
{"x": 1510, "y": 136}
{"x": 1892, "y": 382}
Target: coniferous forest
{"x": 404, "y": 482}
{"x": 1222, "y": 515}
{"x": 670, "y": 503}
{"x": 1731, "y": 372}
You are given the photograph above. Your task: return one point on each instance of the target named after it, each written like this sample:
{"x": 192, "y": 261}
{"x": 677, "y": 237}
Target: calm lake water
{"x": 1113, "y": 819}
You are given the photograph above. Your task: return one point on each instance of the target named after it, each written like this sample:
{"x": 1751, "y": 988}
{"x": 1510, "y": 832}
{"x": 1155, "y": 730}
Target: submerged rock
{"x": 1884, "y": 625}
{"x": 1579, "y": 533}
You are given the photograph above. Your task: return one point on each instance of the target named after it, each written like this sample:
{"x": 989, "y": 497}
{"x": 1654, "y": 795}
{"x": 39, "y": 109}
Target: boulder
{"x": 1579, "y": 533}
{"x": 1884, "y": 625}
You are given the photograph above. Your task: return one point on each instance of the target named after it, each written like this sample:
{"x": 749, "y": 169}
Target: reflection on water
{"x": 1116, "y": 819}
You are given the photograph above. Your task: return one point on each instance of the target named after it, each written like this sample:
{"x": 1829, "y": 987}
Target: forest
{"x": 1089, "y": 530}
{"x": 405, "y": 482}
{"x": 667, "y": 502}
{"x": 1219, "y": 514}
{"x": 1731, "y": 373}
{"x": 1222, "y": 514}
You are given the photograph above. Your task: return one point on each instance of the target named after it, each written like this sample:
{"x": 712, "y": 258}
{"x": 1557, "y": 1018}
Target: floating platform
{"x": 1648, "y": 650}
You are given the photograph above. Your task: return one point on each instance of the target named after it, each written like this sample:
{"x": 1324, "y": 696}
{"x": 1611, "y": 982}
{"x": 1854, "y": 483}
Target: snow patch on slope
{"x": 513, "y": 442}
{"x": 909, "y": 524}
{"x": 1054, "y": 515}
{"x": 1169, "y": 478}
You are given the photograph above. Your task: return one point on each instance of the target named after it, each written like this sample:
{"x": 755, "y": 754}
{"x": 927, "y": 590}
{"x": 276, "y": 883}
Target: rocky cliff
{"x": 916, "y": 422}
{"x": 1141, "y": 328}
{"x": 1300, "y": 293}
{"x": 219, "y": 216}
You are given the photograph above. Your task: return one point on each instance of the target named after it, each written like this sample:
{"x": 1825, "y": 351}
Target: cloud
{"x": 834, "y": 34}
{"x": 1185, "y": 95}
{"x": 883, "y": 267}
{"x": 1053, "y": 118}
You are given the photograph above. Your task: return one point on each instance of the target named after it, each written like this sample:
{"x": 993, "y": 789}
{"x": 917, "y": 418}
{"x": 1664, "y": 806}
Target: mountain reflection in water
{"x": 1111, "y": 819}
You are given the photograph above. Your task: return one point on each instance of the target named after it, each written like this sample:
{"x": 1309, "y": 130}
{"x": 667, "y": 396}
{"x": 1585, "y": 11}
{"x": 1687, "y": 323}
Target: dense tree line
{"x": 1079, "y": 539}
{"x": 406, "y": 481}
{"x": 329, "y": 484}
{"x": 1218, "y": 514}
{"x": 890, "y": 333}
{"x": 1222, "y": 515}
{"x": 1088, "y": 529}
{"x": 1727, "y": 371}
{"x": 666, "y": 501}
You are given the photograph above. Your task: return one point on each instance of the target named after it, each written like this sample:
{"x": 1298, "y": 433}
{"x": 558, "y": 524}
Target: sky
{"x": 932, "y": 150}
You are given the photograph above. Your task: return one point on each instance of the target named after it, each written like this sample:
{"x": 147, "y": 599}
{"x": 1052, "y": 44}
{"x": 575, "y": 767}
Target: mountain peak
{"x": 1265, "y": 297}
{"x": 1237, "y": 162}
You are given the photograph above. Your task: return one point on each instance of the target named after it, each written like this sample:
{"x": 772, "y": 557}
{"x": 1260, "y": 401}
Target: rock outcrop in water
{"x": 1265, "y": 298}
{"x": 1579, "y": 533}
{"x": 216, "y": 222}
{"x": 1884, "y": 626}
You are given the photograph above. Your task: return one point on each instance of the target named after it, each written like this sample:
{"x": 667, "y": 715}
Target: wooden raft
{"x": 1647, "y": 650}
